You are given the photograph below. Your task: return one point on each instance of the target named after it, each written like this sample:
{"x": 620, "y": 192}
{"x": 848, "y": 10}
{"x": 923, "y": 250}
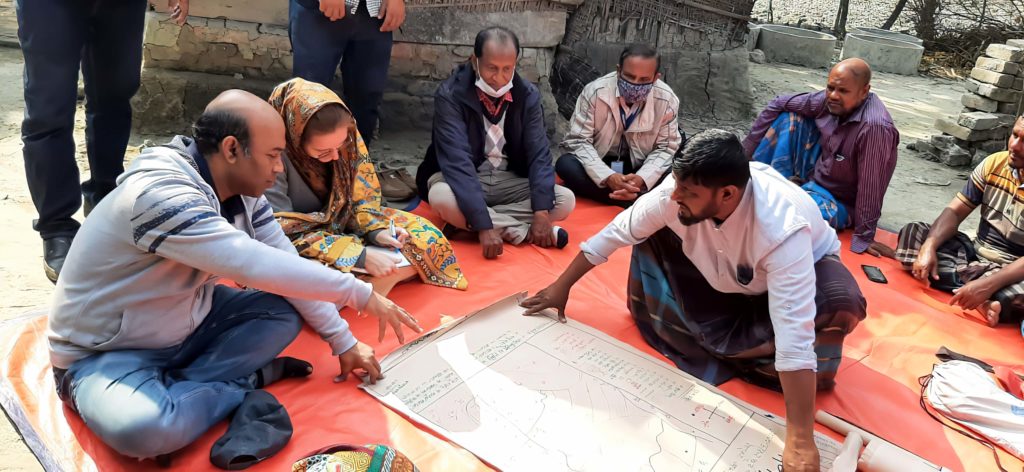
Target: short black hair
{"x": 213, "y": 126}
{"x": 713, "y": 158}
{"x": 494, "y": 33}
{"x": 639, "y": 50}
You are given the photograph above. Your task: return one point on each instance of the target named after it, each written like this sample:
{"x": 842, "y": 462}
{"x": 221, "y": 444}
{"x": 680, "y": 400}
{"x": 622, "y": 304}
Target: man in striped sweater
{"x": 839, "y": 144}
{"x": 145, "y": 345}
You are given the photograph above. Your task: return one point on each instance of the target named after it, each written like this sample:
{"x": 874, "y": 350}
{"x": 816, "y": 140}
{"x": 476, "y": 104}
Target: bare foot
{"x": 990, "y": 310}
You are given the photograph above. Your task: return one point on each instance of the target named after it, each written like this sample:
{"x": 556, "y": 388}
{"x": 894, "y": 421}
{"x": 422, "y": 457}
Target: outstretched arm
{"x": 557, "y": 294}
{"x": 630, "y": 227}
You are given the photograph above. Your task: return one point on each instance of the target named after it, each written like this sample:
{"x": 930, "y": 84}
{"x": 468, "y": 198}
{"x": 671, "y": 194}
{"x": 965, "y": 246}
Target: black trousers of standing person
{"x": 575, "y": 177}
{"x": 105, "y": 38}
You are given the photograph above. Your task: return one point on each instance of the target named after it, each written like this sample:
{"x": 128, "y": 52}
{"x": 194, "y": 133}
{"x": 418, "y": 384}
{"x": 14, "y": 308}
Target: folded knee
{"x": 565, "y": 200}
{"x": 146, "y": 436}
{"x": 283, "y": 312}
{"x": 567, "y": 165}
{"x": 847, "y": 306}
{"x": 440, "y": 195}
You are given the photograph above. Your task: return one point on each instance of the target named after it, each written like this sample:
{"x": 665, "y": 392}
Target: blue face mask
{"x": 634, "y": 93}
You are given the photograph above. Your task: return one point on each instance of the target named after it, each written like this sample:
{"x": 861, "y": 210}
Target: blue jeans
{"x": 105, "y": 37}
{"x": 356, "y": 42}
{"x": 144, "y": 403}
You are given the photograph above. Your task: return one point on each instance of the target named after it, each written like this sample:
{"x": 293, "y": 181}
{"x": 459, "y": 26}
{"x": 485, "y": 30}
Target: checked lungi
{"x": 716, "y": 336}
{"x": 960, "y": 262}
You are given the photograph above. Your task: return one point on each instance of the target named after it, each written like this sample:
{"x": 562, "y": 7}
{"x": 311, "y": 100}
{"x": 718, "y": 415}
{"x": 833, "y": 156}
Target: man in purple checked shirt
{"x": 838, "y": 144}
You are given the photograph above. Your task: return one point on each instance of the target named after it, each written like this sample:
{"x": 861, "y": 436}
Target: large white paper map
{"x": 533, "y": 394}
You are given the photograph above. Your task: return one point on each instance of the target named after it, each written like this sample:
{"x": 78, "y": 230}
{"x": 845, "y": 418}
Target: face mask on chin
{"x": 634, "y": 93}
{"x": 487, "y": 89}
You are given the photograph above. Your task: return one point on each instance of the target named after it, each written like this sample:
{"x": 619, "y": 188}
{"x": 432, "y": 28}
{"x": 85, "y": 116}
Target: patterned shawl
{"x": 297, "y": 100}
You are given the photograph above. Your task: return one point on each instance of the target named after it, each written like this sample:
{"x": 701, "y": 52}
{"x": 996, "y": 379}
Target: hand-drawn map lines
{"x": 695, "y": 431}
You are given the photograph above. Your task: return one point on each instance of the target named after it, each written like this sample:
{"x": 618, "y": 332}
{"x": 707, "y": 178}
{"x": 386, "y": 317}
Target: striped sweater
{"x": 141, "y": 271}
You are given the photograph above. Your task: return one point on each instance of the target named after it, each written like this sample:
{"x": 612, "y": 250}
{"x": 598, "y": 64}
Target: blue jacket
{"x": 457, "y": 145}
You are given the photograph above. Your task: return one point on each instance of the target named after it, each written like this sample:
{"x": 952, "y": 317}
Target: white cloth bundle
{"x": 965, "y": 393}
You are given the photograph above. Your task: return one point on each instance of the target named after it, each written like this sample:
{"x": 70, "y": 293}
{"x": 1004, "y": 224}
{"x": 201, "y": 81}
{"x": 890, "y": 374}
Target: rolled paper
{"x": 846, "y": 461}
{"x": 879, "y": 455}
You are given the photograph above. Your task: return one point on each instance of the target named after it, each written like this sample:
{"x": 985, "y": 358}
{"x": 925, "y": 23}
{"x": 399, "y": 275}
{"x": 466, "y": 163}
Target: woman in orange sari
{"x": 328, "y": 200}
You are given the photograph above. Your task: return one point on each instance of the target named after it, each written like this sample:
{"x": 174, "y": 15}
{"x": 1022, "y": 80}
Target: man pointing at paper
{"x": 734, "y": 273}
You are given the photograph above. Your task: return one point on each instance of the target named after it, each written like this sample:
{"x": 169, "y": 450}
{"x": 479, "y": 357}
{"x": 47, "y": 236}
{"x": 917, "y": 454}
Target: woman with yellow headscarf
{"x": 328, "y": 200}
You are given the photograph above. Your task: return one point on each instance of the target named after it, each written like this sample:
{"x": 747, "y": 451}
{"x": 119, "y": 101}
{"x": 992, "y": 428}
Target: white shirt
{"x": 776, "y": 230}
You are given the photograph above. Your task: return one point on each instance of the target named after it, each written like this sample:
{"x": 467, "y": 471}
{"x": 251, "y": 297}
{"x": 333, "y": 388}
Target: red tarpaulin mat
{"x": 877, "y": 382}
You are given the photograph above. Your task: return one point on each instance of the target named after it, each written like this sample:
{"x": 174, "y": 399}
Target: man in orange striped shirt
{"x": 988, "y": 273}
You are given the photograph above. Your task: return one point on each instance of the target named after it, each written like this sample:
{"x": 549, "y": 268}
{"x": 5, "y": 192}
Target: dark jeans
{"x": 356, "y": 42}
{"x": 148, "y": 402}
{"x": 105, "y": 37}
{"x": 571, "y": 170}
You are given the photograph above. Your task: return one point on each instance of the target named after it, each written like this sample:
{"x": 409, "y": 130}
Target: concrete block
{"x": 1001, "y": 133}
{"x": 757, "y": 56}
{"x": 942, "y": 141}
{"x": 1017, "y": 43}
{"x": 1008, "y": 107}
{"x": 955, "y": 156}
{"x": 926, "y": 147}
{"x": 992, "y": 146}
{"x": 536, "y": 29}
{"x": 978, "y": 121}
{"x": 977, "y": 102}
{"x": 1005, "y": 52}
{"x": 796, "y": 46}
{"x": 754, "y": 31}
{"x": 960, "y": 132}
{"x": 997, "y": 65}
{"x": 1005, "y": 119}
{"x": 979, "y": 155}
{"x": 972, "y": 85}
{"x": 884, "y": 54}
{"x": 998, "y": 94}
{"x": 994, "y": 78}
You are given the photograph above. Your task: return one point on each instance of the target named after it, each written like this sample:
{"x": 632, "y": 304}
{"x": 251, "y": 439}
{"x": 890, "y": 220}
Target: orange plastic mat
{"x": 877, "y": 383}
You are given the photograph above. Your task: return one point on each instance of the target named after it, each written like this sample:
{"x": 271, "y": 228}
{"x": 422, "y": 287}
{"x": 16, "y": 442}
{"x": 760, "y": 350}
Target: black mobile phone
{"x": 874, "y": 274}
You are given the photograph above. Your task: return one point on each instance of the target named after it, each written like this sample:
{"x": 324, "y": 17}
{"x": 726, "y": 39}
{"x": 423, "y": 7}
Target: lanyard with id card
{"x": 618, "y": 166}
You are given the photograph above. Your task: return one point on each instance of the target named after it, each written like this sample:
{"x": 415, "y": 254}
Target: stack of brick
{"x": 991, "y": 104}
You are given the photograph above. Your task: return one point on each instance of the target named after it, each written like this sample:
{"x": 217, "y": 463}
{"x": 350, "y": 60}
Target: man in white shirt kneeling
{"x": 734, "y": 273}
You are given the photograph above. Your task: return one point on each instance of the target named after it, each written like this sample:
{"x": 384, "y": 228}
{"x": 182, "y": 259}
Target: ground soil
{"x": 914, "y": 102}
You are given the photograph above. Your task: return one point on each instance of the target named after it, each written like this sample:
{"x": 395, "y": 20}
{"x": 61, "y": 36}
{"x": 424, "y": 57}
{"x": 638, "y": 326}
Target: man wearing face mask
{"x": 734, "y": 273}
{"x": 839, "y": 144}
{"x": 488, "y": 168}
{"x": 623, "y": 133}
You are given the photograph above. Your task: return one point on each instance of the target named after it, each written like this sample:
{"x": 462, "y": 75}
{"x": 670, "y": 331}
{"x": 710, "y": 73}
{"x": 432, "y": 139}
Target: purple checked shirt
{"x": 858, "y": 154}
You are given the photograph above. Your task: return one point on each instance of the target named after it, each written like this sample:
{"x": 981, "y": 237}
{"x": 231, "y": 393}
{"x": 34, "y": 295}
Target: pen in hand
{"x": 394, "y": 234}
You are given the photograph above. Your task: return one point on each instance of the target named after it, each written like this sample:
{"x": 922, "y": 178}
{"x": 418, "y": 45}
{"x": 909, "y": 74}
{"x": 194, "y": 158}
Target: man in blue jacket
{"x": 488, "y": 168}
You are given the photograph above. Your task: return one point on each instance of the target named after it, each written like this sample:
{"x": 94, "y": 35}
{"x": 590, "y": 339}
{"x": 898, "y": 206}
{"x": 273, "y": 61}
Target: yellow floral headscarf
{"x": 297, "y": 100}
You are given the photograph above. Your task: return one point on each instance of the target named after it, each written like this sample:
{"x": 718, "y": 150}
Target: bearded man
{"x": 734, "y": 273}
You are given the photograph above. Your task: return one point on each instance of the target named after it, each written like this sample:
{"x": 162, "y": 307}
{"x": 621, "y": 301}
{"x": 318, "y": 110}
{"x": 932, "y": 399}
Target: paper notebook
{"x": 400, "y": 260}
